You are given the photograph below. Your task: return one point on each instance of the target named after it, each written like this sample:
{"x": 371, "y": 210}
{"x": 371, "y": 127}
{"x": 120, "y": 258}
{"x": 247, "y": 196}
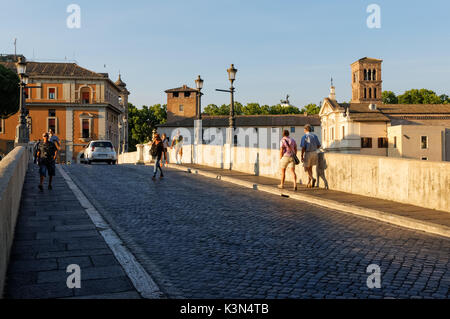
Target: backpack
{"x": 154, "y": 150}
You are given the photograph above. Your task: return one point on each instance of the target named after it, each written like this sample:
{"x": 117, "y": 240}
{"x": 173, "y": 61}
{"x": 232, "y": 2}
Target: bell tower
{"x": 366, "y": 81}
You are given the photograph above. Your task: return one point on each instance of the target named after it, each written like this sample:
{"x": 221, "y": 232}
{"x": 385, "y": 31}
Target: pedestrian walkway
{"x": 414, "y": 217}
{"x": 54, "y": 231}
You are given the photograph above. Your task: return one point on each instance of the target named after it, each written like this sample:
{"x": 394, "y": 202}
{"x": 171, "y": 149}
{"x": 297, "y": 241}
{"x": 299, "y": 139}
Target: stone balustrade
{"x": 420, "y": 183}
{"x": 13, "y": 169}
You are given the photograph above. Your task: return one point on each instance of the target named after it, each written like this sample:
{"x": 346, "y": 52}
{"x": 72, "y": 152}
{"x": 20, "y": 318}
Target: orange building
{"x": 78, "y": 104}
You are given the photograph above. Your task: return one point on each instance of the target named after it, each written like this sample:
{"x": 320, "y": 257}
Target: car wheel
{"x": 114, "y": 162}
{"x": 89, "y": 162}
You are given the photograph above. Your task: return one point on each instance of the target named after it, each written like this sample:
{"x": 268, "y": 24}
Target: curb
{"x": 401, "y": 221}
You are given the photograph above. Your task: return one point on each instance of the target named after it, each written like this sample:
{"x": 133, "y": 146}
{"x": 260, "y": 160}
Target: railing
{"x": 13, "y": 169}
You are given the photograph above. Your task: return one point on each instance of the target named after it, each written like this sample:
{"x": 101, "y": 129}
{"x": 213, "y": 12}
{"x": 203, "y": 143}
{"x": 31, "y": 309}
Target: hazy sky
{"x": 279, "y": 47}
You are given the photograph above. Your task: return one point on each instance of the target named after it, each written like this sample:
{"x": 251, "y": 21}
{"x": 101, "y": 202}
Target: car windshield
{"x": 102, "y": 144}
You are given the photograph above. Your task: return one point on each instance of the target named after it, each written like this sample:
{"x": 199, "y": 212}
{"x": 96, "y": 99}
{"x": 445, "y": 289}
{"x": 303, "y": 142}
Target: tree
{"x": 142, "y": 122}
{"x": 278, "y": 109}
{"x": 311, "y": 109}
{"x": 9, "y": 92}
{"x": 422, "y": 96}
{"x": 445, "y": 99}
{"x": 389, "y": 97}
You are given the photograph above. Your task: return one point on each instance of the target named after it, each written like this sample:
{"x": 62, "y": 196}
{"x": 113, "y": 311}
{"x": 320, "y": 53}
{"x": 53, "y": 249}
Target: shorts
{"x": 310, "y": 159}
{"x": 287, "y": 162}
{"x": 47, "y": 167}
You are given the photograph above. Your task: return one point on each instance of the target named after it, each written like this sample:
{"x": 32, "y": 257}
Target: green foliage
{"x": 311, "y": 109}
{"x": 9, "y": 92}
{"x": 142, "y": 122}
{"x": 422, "y": 96}
{"x": 445, "y": 99}
{"x": 250, "y": 109}
{"x": 389, "y": 97}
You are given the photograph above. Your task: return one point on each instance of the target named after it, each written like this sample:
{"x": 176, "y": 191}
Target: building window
{"x": 187, "y": 94}
{"x": 424, "y": 142}
{"x": 382, "y": 142}
{"x": 51, "y": 124}
{"x": 365, "y": 93}
{"x": 51, "y": 113}
{"x": 85, "y": 97}
{"x": 374, "y": 75}
{"x": 370, "y": 93}
{"x": 292, "y": 129}
{"x": 369, "y": 75}
{"x": 365, "y": 75}
{"x": 366, "y": 142}
{"x": 424, "y": 158}
{"x": 395, "y": 141}
{"x": 175, "y": 94}
{"x": 86, "y": 132}
{"x": 52, "y": 94}
{"x": 181, "y": 109}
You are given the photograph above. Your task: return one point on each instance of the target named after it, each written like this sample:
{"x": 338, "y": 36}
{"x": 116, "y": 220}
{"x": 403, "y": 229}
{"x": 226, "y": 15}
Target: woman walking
{"x": 157, "y": 151}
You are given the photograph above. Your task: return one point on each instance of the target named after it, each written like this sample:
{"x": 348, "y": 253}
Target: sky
{"x": 279, "y": 47}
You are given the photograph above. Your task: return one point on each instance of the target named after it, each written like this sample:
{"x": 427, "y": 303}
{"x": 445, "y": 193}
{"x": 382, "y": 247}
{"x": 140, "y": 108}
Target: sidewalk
{"x": 53, "y": 231}
{"x": 404, "y": 215}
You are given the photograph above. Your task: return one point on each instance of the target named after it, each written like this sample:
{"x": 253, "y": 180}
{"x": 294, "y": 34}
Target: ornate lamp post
{"x": 199, "y": 84}
{"x": 22, "y": 132}
{"x": 232, "y": 77}
{"x": 232, "y": 120}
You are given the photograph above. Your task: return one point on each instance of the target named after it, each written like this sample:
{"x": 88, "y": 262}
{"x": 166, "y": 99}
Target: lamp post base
{"x": 22, "y": 135}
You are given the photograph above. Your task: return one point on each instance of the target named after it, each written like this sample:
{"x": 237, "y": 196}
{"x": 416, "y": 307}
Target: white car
{"x": 100, "y": 151}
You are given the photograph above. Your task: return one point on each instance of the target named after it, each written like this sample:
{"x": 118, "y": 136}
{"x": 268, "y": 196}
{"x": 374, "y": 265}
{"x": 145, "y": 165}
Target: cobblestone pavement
{"x": 201, "y": 238}
{"x": 53, "y": 231}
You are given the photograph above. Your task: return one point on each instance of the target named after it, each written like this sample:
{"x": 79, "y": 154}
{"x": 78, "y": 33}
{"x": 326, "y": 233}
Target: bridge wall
{"x": 420, "y": 183}
{"x": 13, "y": 169}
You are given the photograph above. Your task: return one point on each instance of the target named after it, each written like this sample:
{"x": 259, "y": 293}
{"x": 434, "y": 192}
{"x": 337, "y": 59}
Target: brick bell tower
{"x": 366, "y": 81}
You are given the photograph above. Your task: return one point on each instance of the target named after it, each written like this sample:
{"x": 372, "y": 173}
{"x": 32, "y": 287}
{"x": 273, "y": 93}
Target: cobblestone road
{"x": 201, "y": 238}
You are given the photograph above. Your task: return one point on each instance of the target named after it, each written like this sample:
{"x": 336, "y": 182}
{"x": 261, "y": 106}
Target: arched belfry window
{"x": 365, "y": 75}
{"x": 370, "y": 93}
{"x": 374, "y": 75}
{"x": 370, "y": 75}
{"x": 365, "y": 93}
{"x": 375, "y": 93}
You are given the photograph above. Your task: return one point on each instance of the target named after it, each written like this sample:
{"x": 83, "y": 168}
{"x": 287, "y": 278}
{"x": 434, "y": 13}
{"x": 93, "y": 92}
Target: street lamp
{"x": 232, "y": 77}
{"x": 199, "y": 84}
{"x": 22, "y": 133}
{"x": 232, "y": 120}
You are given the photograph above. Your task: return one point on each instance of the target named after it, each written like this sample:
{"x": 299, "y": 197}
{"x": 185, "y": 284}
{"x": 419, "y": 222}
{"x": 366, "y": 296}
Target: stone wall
{"x": 13, "y": 169}
{"x": 420, "y": 183}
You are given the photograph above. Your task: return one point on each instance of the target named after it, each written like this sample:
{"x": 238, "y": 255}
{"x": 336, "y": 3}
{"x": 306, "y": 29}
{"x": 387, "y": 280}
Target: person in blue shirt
{"x": 309, "y": 144}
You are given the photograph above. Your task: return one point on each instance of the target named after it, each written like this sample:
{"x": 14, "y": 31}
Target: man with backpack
{"x": 157, "y": 151}
{"x": 309, "y": 144}
{"x": 46, "y": 156}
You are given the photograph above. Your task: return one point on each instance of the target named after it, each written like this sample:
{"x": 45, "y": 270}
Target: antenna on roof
{"x": 331, "y": 81}
{"x": 15, "y": 47}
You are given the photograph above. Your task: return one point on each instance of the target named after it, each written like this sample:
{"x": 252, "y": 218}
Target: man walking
{"x": 46, "y": 155}
{"x": 287, "y": 150}
{"x": 309, "y": 144}
{"x": 55, "y": 140}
